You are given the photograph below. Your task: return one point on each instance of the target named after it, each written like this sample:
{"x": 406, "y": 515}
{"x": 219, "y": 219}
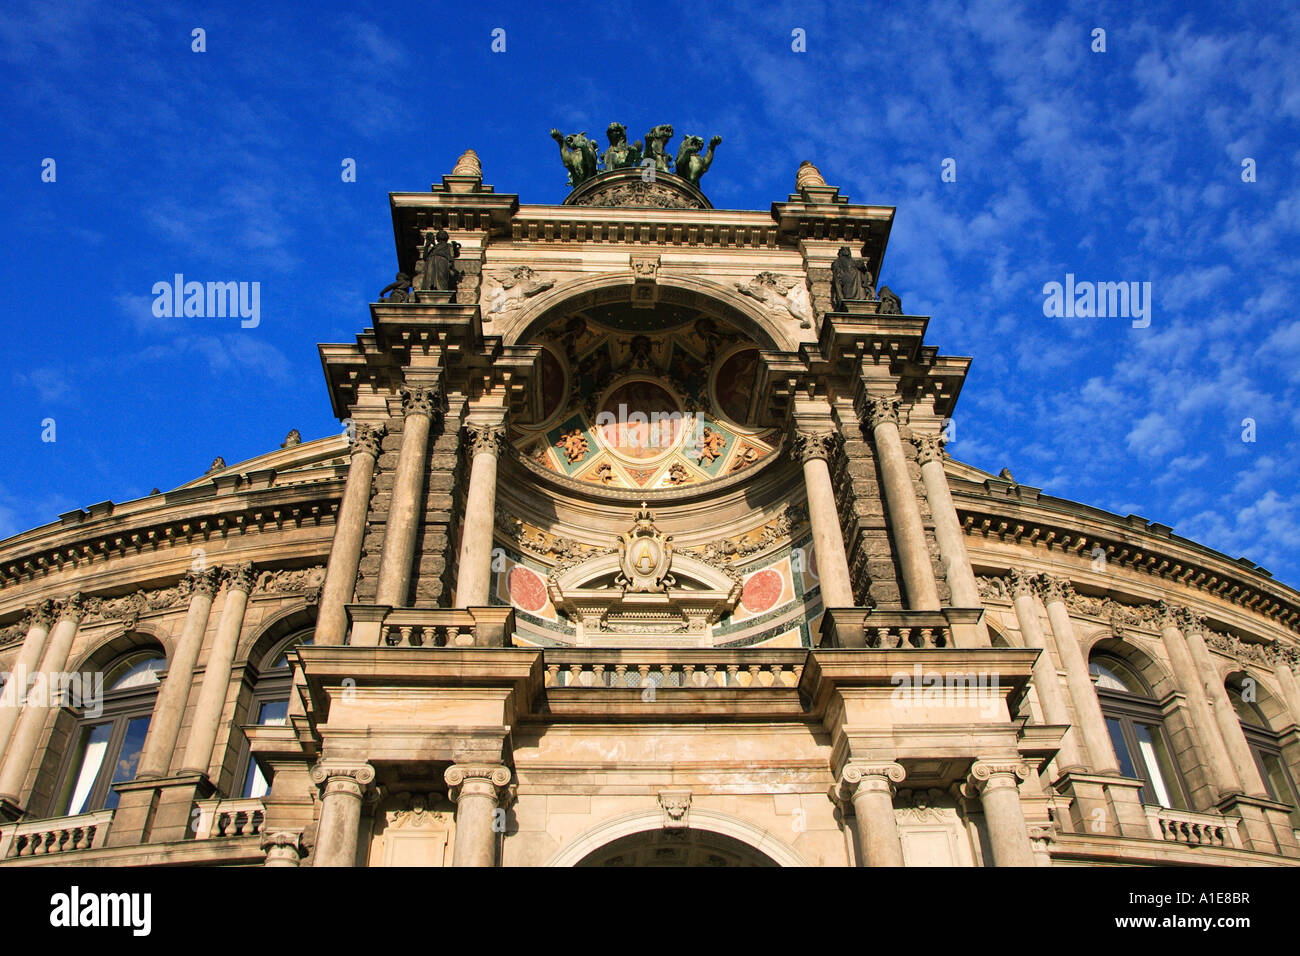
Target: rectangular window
{"x": 1159, "y": 765}
{"x": 1279, "y": 783}
{"x": 92, "y": 747}
{"x": 128, "y": 758}
{"x": 1121, "y": 748}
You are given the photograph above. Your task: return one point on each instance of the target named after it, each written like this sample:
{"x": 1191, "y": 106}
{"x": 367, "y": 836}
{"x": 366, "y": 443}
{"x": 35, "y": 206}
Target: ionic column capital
{"x": 806, "y": 446}
{"x": 422, "y": 400}
{"x": 995, "y": 775}
{"x": 928, "y": 448}
{"x": 868, "y": 777}
{"x": 485, "y": 438}
{"x": 877, "y": 411}
{"x": 342, "y": 777}
{"x": 241, "y": 577}
{"x": 367, "y": 439}
{"x": 482, "y": 780}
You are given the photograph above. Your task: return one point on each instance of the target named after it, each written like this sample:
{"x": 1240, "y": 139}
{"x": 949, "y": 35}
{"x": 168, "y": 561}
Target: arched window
{"x": 269, "y": 708}
{"x": 1265, "y": 745}
{"x": 1137, "y": 732}
{"x": 109, "y": 735}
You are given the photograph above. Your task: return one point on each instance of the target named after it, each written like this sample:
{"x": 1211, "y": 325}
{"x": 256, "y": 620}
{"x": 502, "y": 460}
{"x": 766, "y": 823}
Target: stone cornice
{"x": 1146, "y": 549}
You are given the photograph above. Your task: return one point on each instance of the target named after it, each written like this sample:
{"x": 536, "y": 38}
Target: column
{"x": 1225, "y": 715}
{"x": 169, "y": 708}
{"x": 1286, "y": 664}
{"x": 29, "y": 659}
{"x": 284, "y": 847}
{"x": 1046, "y": 679}
{"x": 997, "y": 782}
{"x": 900, "y": 501}
{"x": 474, "y": 570}
{"x": 871, "y": 788}
{"x": 1087, "y": 709}
{"x": 476, "y": 790}
{"x": 349, "y": 531}
{"x": 1219, "y": 770}
{"x": 420, "y": 406}
{"x": 216, "y": 675}
{"x": 343, "y": 786}
{"x": 814, "y": 451}
{"x": 31, "y": 722}
{"x": 947, "y": 530}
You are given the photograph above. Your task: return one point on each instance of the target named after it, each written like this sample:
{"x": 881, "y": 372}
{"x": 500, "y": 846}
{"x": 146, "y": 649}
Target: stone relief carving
{"x": 780, "y": 294}
{"x": 727, "y": 550}
{"x": 506, "y": 290}
{"x": 657, "y": 195}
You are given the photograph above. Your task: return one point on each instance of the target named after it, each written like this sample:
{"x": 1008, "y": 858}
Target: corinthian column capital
{"x": 485, "y": 438}
{"x": 422, "y": 400}
{"x": 366, "y": 439}
{"x": 1169, "y": 615}
{"x": 878, "y": 410}
{"x": 73, "y": 609}
{"x": 866, "y": 777}
{"x": 1021, "y": 583}
{"x": 242, "y": 577}
{"x": 805, "y": 446}
{"x": 1191, "y": 622}
{"x": 928, "y": 448}
{"x": 202, "y": 582}
{"x": 485, "y": 780}
{"x": 1055, "y": 589}
{"x": 42, "y": 615}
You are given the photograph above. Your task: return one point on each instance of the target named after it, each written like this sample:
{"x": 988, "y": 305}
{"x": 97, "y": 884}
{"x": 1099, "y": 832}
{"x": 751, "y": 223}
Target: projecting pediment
{"x": 644, "y": 590}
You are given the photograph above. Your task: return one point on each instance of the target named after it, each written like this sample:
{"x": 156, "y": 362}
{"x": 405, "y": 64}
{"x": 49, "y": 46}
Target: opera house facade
{"x": 638, "y": 545}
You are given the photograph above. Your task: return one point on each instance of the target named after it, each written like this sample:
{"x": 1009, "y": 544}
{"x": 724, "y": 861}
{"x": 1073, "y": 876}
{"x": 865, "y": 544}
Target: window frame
{"x": 1129, "y": 708}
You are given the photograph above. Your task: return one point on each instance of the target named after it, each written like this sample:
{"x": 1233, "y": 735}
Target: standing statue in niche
{"x": 399, "y": 290}
{"x": 579, "y": 156}
{"x": 437, "y": 254}
{"x": 655, "y": 141}
{"x": 690, "y": 164}
{"x": 620, "y": 154}
{"x": 850, "y": 280}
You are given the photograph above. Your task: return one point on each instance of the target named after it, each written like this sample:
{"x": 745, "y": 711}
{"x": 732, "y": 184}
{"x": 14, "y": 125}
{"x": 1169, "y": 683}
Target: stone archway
{"x": 639, "y": 837}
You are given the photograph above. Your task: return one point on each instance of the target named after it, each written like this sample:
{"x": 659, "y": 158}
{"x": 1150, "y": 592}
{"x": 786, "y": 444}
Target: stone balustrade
{"x": 662, "y": 669}
{"x": 217, "y": 818}
{"x": 382, "y": 626}
{"x": 87, "y": 831}
{"x": 1194, "y": 829}
{"x": 854, "y": 627}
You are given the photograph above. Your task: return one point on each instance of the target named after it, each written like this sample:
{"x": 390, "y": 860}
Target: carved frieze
{"x": 507, "y": 290}
{"x": 786, "y": 296}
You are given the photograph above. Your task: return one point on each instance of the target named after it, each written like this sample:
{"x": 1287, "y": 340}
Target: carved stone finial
{"x": 218, "y": 464}
{"x": 808, "y": 175}
{"x": 293, "y": 438}
{"x": 468, "y": 165}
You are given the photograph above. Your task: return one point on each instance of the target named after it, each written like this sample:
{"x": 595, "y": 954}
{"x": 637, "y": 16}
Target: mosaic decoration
{"x": 627, "y": 400}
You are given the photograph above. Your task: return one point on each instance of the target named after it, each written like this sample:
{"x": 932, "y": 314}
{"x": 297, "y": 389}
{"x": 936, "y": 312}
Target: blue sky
{"x": 225, "y": 165}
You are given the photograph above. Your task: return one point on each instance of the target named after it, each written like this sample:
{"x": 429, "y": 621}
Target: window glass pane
{"x": 91, "y": 748}
{"x": 255, "y": 785}
{"x": 1160, "y": 767}
{"x": 1279, "y": 783}
{"x": 139, "y": 673}
{"x": 273, "y": 713}
{"x": 128, "y": 759}
{"x": 1107, "y": 678}
{"x": 283, "y": 659}
{"x": 1121, "y": 748}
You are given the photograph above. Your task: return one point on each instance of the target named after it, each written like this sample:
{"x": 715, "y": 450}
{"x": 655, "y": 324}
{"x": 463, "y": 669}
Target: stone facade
{"x": 639, "y": 547}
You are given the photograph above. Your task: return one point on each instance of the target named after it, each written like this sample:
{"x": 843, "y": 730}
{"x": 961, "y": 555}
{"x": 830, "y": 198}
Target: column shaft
{"x": 1046, "y": 679}
{"x": 1205, "y": 734}
{"x": 169, "y": 707}
{"x": 476, "y": 791}
{"x": 904, "y": 513}
{"x": 1087, "y": 708}
{"x": 340, "y": 812}
{"x": 407, "y": 504}
{"x": 999, "y": 794}
{"x": 871, "y": 787}
{"x": 1225, "y": 716}
{"x": 823, "y": 516}
{"x": 216, "y": 676}
{"x": 29, "y": 659}
{"x": 349, "y": 532}
{"x": 31, "y": 722}
{"x": 474, "y": 570}
{"x": 947, "y": 530}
